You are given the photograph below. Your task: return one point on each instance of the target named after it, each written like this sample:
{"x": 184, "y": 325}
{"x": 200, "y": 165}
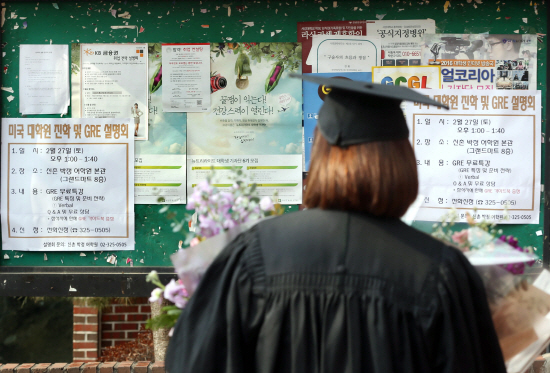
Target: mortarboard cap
{"x": 356, "y": 112}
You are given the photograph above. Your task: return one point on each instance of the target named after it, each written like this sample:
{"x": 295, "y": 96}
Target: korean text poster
{"x": 110, "y": 81}
{"x": 160, "y": 168}
{"x": 67, "y": 184}
{"x": 255, "y": 121}
{"x": 483, "y": 154}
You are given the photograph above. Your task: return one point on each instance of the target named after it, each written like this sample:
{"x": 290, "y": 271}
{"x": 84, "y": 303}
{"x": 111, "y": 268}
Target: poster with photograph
{"x": 110, "y": 81}
{"x": 255, "y": 121}
{"x": 483, "y": 61}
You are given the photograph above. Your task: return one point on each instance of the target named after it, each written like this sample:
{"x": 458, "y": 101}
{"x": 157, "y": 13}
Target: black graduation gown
{"x": 336, "y": 292}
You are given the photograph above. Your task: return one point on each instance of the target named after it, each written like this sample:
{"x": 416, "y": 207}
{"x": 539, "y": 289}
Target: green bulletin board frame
{"x": 176, "y": 21}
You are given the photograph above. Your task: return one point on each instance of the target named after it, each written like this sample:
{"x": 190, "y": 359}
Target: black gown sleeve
{"x": 467, "y": 338}
{"x": 215, "y": 331}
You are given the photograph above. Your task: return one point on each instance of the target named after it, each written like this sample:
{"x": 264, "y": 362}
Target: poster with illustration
{"x": 255, "y": 122}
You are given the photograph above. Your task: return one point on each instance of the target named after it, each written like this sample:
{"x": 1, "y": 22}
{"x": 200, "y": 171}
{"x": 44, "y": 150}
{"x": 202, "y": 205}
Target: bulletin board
{"x": 177, "y": 21}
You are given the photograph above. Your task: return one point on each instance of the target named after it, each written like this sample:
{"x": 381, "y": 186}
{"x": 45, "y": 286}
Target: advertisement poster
{"x": 338, "y": 54}
{"x": 110, "y": 81}
{"x": 62, "y": 189}
{"x": 474, "y": 156}
{"x": 255, "y": 121}
{"x": 306, "y": 30}
{"x": 43, "y": 79}
{"x": 483, "y": 61}
{"x": 160, "y": 164}
{"x": 186, "y": 77}
{"x": 401, "y": 40}
{"x": 408, "y": 76}
{"x": 314, "y": 95}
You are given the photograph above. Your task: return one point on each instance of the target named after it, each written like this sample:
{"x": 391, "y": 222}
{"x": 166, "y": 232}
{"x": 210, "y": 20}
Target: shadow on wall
{"x": 36, "y": 329}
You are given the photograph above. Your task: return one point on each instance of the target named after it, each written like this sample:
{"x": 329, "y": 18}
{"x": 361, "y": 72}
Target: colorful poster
{"x": 43, "y": 79}
{"x": 67, "y": 184}
{"x": 306, "y": 30}
{"x": 338, "y": 54}
{"x": 482, "y": 157}
{"x": 314, "y": 95}
{"x": 186, "y": 77}
{"x": 255, "y": 121}
{"x": 110, "y": 81}
{"x": 408, "y": 76}
{"x": 483, "y": 61}
{"x": 401, "y": 40}
{"x": 160, "y": 164}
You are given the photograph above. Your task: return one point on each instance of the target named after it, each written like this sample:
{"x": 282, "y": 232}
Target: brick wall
{"x": 85, "y": 333}
{"x": 121, "y": 322}
{"x": 80, "y": 367}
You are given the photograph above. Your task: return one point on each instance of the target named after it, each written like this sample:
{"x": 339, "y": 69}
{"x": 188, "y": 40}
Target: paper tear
{"x": 249, "y": 24}
{"x": 261, "y": 31}
{"x": 6, "y": 256}
{"x": 366, "y": 3}
{"x": 278, "y": 31}
{"x": 71, "y": 288}
{"x": 380, "y": 16}
{"x": 16, "y": 256}
{"x": 205, "y": 26}
{"x": 321, "y": 9}
{"x": 524, "y": 20}
{"x": 25, "y": 24}
{"x": 141, "y": 29}
{"x": 55, "y": 5}
{"x": 10, "y": 98}
{"x": 112, "y": 259}
{"x": 446, "y": 6}
{"x": 126, "y": 15}
{"x": 16, "y": 26}
{"x": 539, "y": 233}
{"x": 82, "y": 254}
{"x": 113, "y": 12}
{"x": 120, "y": 27}
{"x": 3, "y": 17}
{"x": 335, "y": 4}
{"x": 130, "y": 261}
{"x": 7, "y": 89}
{"x": 229, "y": 11}
{"x": 203, "y": 10}
{"x": 141, "y": 261}
{"x": 13, "y": 15}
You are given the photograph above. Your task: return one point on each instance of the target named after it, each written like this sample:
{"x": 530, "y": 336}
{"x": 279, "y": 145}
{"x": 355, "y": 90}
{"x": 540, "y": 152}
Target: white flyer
{"x": 186, "y": 77}
{"x": 67, "y": 184}
{"x": 113, "y": 84}
{"x": 43, "y": 79}
{"x": 341, "y": 53}
{"x": 400, "y": 40}
{"x": 483, "y": 156}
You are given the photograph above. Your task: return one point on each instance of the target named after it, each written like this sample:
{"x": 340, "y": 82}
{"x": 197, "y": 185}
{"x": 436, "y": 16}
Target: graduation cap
{"x": 355, "y": 112}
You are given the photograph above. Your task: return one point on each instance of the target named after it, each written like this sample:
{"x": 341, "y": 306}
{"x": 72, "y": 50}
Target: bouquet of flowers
{"x": 520, "y": 310}
{"x": 220, "y": 215}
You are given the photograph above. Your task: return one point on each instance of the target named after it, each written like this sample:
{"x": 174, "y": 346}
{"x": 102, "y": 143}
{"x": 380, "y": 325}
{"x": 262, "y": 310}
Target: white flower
{"x": 266, "y": 204}
{"x": 156, "y": 295}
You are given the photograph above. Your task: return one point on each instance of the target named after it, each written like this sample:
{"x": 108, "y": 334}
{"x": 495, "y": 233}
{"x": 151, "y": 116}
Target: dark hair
{"x": 136, "y": 104}
{"x": 378, "y": 177}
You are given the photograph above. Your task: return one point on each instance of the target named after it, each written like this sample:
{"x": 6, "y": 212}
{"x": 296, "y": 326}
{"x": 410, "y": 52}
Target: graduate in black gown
{"x": 343, "y": 286}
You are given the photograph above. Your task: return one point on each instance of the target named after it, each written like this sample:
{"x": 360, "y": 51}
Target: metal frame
{"x": 80, "y": 281}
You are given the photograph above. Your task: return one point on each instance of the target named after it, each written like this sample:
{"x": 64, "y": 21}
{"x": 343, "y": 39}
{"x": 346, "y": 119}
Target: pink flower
{"x": 194, "y": 242}
{"x": 460, "y": 238}
{"x": 266, "y": 204}
{"x": 175, "y": 292}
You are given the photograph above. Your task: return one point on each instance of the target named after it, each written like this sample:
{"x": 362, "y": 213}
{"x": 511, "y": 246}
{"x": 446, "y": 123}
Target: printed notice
{"x": 336, "y": 54}
{"x": 67, "y": 184}
{"x": 483, "y": 154}
{"x": 111, "y": 82}
{"x": 186, "y": 77}
{"x": 43, "y": 79}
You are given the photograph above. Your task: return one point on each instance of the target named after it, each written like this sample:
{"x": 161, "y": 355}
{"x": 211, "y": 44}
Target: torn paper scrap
{"x": 55, "y": 5}
{"x": 10, "y": 98}
{"x": 45, "y": 257}
{"x": 6, "y": 256}
{"x": 119, "y": 27}
{"x": 3, "y": 17}
{"x": 7, "y": 89}
{"x": 125, "y": 15}
{"x": 112, "y": 259}
{"x": 249, "y": 24}
{"x": 82, "y": 254}
{"x": 71, "y": 288}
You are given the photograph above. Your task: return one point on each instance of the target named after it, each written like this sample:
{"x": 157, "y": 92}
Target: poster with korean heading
{"x": 483, "y": 61}
{"x": 314, "y": 96}
{"x": 484, "y": 154}
{"x": 67, "y": 184}
{"x": 306, "y": 30}
{"x": 110, "y": 81}
{"x": 186, "y": 77}
{"x": 339, "y": 54}
{"x": 255, "y": 121}
{"x": 400, "y": 40}
{"x": 160, "y": 164}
